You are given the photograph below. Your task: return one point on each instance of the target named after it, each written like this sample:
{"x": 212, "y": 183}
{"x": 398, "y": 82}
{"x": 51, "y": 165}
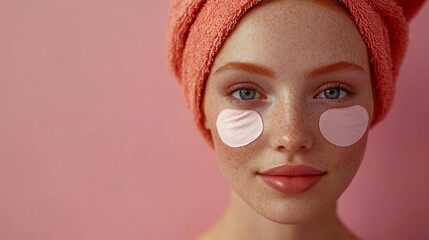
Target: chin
{"x": 290, "y": 220}
{"x": 292, "y": 211}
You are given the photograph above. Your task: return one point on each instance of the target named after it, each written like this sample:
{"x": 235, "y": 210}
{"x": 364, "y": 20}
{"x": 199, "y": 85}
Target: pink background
{"x": 96, "y": 142}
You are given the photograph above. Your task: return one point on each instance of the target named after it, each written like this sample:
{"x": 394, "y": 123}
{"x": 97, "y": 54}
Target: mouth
{"x": 292, "y": 179}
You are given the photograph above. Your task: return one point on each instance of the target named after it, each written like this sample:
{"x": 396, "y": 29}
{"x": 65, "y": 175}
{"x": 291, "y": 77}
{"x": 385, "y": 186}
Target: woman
{"x": 285, "y": 91}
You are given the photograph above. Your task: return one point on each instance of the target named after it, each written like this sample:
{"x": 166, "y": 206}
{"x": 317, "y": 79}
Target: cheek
{"x": 344, "y": 126}
{"x": 239, "y": 128}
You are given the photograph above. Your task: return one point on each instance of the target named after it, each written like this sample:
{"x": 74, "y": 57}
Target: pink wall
{"x": 92, "y": 132}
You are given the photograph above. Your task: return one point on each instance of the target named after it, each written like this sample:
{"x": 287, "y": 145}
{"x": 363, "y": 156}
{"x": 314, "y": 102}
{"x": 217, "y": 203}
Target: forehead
{"x": 294, "y": 36}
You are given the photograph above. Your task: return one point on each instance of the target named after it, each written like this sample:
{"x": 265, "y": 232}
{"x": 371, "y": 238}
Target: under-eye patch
{"x": 239, "y": 128}
{"x": 344, "y": 126}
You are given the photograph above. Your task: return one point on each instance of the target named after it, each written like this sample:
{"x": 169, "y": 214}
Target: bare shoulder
{"x": 213, "y": 232}
{"x": 209, "y": 234}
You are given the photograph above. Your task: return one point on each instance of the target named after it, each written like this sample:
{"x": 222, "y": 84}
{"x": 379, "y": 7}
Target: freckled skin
{"x": 290, "y": 37}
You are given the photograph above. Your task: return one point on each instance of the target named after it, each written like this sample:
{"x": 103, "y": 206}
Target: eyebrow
{"x": 265, "y": 71}
{"x": 247, "y": 67}
{"x": 330, "y": 68}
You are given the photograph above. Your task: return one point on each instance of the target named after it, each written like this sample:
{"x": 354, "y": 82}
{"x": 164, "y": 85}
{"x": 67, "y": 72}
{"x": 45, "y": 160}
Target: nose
{"x": 291, "y": 131}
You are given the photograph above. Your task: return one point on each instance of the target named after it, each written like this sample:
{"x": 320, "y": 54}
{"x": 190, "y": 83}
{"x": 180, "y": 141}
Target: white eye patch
{"x": 237, "y": 127}
{"x": 344, "y": 126}
{"x": 340, "y": 126}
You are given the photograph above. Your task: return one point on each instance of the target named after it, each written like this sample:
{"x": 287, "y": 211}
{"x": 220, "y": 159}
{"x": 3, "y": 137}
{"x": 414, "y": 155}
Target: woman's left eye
{"x": 246, "y": 94}
{"x": 333, "y": 93}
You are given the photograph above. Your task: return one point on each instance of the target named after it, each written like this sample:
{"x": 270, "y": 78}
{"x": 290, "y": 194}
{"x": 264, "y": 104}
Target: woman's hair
{"x": 198, "y": 28}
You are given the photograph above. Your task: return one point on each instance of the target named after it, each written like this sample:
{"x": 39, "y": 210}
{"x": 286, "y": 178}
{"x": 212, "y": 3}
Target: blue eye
{"x": 333, "y": 93}
{"x": 246, "y": 94}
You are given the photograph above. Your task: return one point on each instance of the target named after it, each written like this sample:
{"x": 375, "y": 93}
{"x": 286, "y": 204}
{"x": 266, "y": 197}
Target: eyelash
{"x": 348, "y": 89}
{"x": 241, "y": 86}
{"x": 250, "y": 86}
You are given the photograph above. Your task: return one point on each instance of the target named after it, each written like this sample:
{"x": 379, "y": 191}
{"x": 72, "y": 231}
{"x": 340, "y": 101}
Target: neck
{"x": 240, "y": 221}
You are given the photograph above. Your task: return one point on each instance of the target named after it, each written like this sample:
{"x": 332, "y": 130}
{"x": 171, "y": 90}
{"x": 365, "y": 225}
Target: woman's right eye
{"x": 246, "y": 94}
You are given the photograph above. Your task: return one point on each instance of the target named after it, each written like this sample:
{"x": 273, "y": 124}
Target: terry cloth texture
{"x": 197, "y": 29}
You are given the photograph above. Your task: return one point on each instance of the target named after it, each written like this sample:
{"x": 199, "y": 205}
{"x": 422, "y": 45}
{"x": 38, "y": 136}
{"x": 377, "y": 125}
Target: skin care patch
{"x": 238, "y": 128}
{"x": 344, "y": 126}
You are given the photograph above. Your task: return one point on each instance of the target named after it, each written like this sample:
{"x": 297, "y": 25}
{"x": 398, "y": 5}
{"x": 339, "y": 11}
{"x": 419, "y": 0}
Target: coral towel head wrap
{"x": 198, "y": 28}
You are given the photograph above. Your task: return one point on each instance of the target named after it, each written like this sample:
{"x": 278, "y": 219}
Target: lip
{"x": 292, "y": 179}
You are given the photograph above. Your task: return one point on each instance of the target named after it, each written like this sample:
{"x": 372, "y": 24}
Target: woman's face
{"x": 290, "y": 86}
